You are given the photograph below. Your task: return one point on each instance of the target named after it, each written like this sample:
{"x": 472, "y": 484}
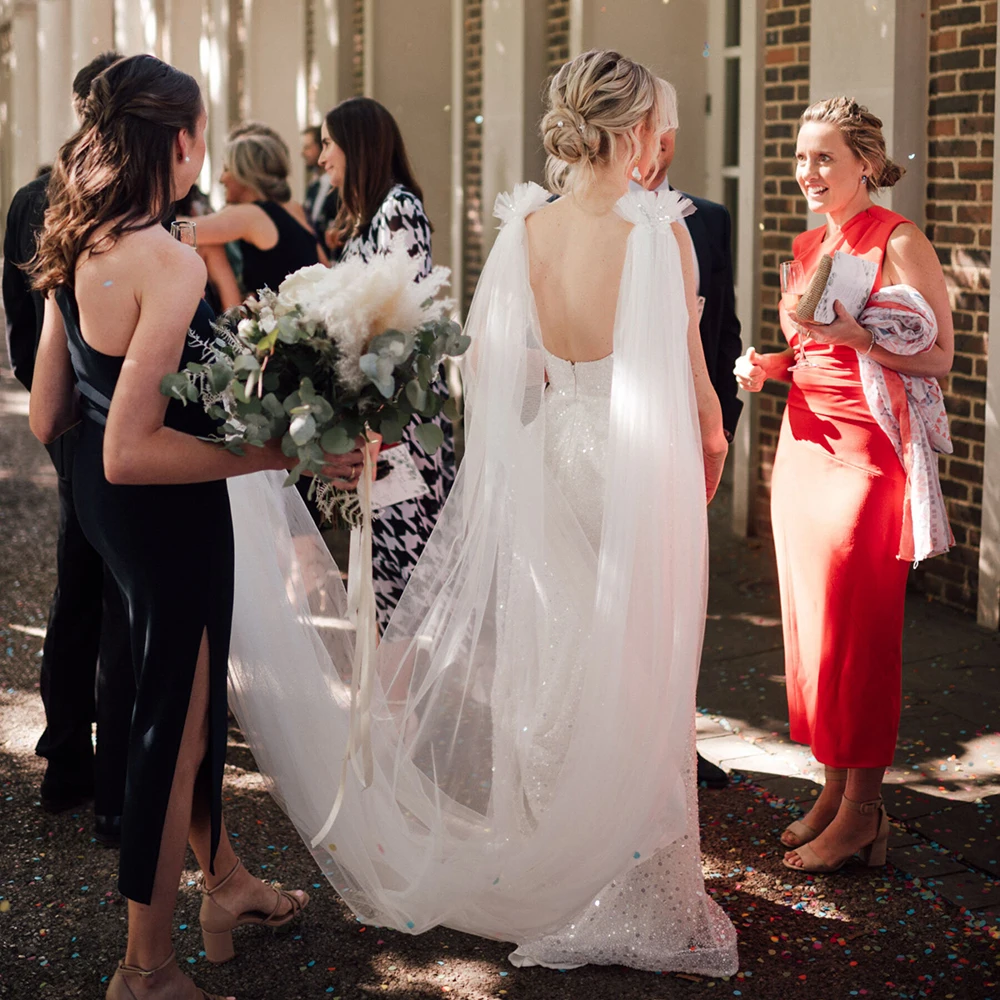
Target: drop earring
{"x": 864, "y": 180}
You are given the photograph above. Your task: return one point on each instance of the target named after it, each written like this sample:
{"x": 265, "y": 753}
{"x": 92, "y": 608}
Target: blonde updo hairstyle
{"x": 259, "y": 159}
{"x": 593, "y": 100}
{"x": 862, "y": 131}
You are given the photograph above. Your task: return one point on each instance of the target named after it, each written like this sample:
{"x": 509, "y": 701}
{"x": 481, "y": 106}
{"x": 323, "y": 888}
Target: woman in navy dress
{"x": 124, "y": 308}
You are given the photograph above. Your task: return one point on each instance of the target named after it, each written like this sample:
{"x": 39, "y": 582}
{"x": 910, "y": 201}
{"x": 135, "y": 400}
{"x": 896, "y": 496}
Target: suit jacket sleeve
{"x": 730, "y": 344}
{"x": 24, "y": 308}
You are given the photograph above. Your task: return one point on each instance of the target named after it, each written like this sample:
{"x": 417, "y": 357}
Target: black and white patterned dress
{"x": 400, "y": 531}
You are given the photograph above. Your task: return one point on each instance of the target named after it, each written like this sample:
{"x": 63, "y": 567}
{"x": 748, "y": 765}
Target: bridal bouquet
{"x": 334, "y": 353}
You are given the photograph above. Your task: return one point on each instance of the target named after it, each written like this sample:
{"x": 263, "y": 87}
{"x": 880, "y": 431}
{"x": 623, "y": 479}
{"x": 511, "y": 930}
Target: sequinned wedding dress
{"x": 532, "y": 721}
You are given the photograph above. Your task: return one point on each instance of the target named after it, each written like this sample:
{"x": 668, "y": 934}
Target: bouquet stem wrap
{"x": 361, "y": 614}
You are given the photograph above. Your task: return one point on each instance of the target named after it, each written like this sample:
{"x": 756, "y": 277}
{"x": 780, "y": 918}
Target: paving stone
{"x": 727, "y": 748}
{"x": 970, "y": 889}
{"x": 964, "y": 829}
{"x": 901, "y": 837}
{"x": 920, "y": 861}
{"x": 906, "y": 803}
{"x": 791, "y": 789}
{"x": 707, "y": 728}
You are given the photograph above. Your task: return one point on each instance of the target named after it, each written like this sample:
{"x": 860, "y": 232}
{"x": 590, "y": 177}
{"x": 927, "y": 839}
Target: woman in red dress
{"x": 837, "y": 492}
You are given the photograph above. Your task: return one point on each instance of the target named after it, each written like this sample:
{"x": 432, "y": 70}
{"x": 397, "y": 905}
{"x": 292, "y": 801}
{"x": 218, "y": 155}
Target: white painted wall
{"x": 876, "y": 52}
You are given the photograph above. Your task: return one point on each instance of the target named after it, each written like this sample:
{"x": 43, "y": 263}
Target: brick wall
{"x": 959, "y": 207}
{"x": 783, "y": 215}
{"x": 556, "y": 34}
{"x": 472, "y": 152}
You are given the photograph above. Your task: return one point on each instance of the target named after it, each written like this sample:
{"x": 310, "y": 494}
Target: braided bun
{"x": 592, "y": 100}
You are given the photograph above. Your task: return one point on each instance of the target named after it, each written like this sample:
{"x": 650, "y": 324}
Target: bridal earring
{"x": 864, "y": 180}
{"x": 187, "y": 159}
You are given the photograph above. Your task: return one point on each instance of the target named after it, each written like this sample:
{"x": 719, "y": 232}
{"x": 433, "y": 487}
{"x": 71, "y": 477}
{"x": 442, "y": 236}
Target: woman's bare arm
{"x": 220, "y": 274}
{"x": 138, "y": 448}
{"x": 910, "y": 260}
{"x": 53, "y": 408}
{"x": 713, "y": 438}
{"x": 237, "y": 222}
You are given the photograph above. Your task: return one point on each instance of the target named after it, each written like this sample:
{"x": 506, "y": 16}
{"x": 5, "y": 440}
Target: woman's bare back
{"x": 576, "y": 261}
{"x": 109, "y": 286}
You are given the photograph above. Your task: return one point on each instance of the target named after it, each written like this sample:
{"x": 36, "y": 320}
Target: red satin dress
{"x": 837, "y": 494}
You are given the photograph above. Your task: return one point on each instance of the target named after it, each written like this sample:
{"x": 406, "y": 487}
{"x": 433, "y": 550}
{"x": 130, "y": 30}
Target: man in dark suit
{"x": 321, "y": 201}
{"x": 711, "y": 233}
{"x": 87, "y": 622}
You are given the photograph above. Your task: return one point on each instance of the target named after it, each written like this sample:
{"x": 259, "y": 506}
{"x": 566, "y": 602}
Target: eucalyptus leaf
{"x": 379, "y": 371}
{"x": 175, "y": 386}
{"x": 245, "y": 363}
{"x": 272, "y": 405}
{"x": 391, "y": 431}
{"x": 416, "y": 394}
{"x": 336, "y": 441}
{"x": 302, "y": 428}
{"x": 219, "y": 376}
{"x": 430, "y": 437}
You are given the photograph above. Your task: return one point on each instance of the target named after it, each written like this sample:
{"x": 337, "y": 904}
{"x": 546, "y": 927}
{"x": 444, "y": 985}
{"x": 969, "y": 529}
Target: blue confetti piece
{"x": 108, "y": 283}
{"x": 410, "y": 924}
{"x": 636, "y": 855}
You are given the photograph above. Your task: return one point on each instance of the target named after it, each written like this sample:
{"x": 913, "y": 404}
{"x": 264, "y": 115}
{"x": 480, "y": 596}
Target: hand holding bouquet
{"x": 334, "y": 355}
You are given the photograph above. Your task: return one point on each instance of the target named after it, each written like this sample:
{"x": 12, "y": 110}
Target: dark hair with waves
{"x": 376, "y": 160}
{"x": 118, "y": 167}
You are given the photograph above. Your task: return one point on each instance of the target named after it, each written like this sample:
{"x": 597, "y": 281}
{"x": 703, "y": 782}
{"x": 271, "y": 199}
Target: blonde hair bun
{"x": 593, "y": 99}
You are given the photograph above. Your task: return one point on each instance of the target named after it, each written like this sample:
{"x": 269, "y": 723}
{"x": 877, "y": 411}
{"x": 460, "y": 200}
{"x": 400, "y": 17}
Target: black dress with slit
{"x": 170, "y": 549}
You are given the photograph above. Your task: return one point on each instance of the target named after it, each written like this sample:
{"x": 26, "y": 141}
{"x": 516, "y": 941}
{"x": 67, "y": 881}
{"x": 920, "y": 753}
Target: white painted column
{"x": 181, "y": 35}
{"x": 56, "y": 121}
{"x": 275, "y": 67}
{"x": 136, "y": 27}
{"x": 745, "y": 453}
{"x": 412, "y": 75}
{"x": 503, "y": 104}
{"x": 92, "y": 30}
{"x": 24, "y": 93}
{"x": 989, "y": 544}
{"x": 457, "y": 149}
{"x": 214, "y": 58}
{"x": 877, "y": 53}
{"x": 329, "y": 47}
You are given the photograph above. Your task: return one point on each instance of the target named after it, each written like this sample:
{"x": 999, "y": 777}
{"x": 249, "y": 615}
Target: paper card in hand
{"x": 842, "y": 276}
{"x": 402, "y": 480}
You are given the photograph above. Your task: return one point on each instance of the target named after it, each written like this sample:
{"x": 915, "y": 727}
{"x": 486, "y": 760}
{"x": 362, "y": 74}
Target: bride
{"x": 526, "y": 753}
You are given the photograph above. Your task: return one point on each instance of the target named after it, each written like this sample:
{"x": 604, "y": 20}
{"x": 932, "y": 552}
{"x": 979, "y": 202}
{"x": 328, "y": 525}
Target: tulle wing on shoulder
{"x": 654, "y": 208}
{"x": 519, "y": 203}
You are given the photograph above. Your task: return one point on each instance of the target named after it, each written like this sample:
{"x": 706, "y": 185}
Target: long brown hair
{"x": 117, "y": 167}
{"x": 376, "y": 160}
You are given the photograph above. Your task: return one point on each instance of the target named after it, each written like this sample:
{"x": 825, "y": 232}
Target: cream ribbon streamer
{"x": 361, "y": 614}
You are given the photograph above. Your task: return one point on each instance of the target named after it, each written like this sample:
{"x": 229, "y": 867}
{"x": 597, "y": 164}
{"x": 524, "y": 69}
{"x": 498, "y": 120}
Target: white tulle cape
{"x": 532, "y": 716}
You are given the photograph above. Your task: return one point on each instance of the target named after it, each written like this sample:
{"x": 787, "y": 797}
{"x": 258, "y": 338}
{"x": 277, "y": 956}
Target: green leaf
{"x": 451, "y": 409}
{"x": 424, "y": 371}
{"x": 416, "y": 394}
{"x": 245, "y": 363}
{"x": 196, "y": 368}
{"x": 272, "y": 405}
{"x": 336, "y": 441}
{"x": 391, "y": 430}
{"x": 219, "y": 376}
{"x": 288, "y": 447}
{"x": 430, "y": 437}
{"x": 175, "y": 386}
{"x": 302, "y": 428}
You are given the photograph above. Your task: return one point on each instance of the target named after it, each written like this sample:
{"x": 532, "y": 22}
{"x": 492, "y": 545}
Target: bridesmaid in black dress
{"x": 272, "y": 230}
{"x": 151, "y": 497}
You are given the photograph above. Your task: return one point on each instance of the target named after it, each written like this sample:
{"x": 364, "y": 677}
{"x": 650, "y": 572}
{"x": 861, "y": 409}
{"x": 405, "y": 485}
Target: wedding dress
{"x": 532, "y": 721}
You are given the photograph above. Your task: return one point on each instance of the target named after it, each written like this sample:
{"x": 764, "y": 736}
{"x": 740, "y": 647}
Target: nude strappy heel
{"x": 800, "y": 829}
{"x": 872, "y": 854}
{"x": 119, "y": 989}
{"x": 218, "y": 923}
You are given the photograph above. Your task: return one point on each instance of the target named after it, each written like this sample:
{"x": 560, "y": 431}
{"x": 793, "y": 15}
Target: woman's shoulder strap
{"x": 519, "y": 203}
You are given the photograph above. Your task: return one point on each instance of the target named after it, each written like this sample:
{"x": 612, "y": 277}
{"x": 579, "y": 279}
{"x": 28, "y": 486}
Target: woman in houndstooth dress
{"x": 364, "y": 155}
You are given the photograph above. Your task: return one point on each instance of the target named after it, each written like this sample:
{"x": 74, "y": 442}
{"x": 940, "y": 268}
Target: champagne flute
{"x": 185, "y": 232}
{"x": 793, "y": 281}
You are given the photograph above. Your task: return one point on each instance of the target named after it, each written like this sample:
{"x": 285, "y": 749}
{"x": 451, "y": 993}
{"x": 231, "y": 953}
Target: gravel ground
{"x": 62, "y": 923}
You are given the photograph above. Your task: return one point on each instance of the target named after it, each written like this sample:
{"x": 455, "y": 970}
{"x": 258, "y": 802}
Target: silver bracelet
{"x": 871, "y": 345}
